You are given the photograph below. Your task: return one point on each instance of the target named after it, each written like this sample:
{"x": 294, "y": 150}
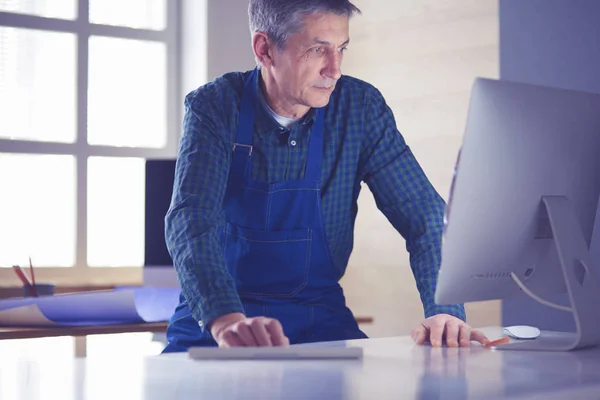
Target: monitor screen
{"x": 524, "y": 146}
{"x": 159, "y": 187}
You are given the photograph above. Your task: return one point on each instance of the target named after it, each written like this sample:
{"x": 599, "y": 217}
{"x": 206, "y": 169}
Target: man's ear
{"x": 263, "y": 49}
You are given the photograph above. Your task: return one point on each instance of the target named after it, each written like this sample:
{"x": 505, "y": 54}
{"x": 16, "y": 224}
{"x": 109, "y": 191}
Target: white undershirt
{"x": 281, "y": 120}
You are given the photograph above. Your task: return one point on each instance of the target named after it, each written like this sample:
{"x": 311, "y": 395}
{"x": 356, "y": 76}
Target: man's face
{"x": 307, "y": 69}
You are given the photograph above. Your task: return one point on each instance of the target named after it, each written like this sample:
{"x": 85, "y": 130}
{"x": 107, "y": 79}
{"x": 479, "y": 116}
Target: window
{"x": 88, "y": 91}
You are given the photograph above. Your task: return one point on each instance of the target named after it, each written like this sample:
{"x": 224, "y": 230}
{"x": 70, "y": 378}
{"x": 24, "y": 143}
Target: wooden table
{"x": 23, "y": 332}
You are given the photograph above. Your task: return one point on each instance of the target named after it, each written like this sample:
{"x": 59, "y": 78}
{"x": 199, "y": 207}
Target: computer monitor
{"x": 158, "y": 266}
{"x": 521, "y": 211}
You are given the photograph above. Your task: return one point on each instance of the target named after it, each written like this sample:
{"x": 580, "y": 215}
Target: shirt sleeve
{"x": 195, "y": 217}
{"x": 406, "y": 197}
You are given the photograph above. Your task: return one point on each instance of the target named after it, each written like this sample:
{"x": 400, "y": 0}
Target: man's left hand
{"x": 444, "y": 326}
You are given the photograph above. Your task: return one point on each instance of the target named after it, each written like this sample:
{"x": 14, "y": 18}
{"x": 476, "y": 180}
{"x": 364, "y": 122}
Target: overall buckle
{"x": 243, "y": 145}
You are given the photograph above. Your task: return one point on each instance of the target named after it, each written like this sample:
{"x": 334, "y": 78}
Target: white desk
{"x": 392, "y": 368}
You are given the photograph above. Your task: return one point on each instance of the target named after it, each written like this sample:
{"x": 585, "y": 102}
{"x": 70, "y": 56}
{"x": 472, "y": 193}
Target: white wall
{"x": 216, "y": 40}
{"x": 423, "y": 55}
{"x": 229, "y": 45}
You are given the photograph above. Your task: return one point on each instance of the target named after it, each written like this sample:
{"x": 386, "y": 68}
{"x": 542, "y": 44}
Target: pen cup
{"x": 42, "y": 289}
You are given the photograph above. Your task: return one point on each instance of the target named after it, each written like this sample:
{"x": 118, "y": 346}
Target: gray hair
{"x": 280, "y": 19}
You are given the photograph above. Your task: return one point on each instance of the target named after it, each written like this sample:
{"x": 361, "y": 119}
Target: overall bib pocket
{"x": 268, "y": 263}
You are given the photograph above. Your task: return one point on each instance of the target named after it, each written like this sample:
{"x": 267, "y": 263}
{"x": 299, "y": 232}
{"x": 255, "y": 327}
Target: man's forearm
{"x": 425, "y": 268}
{"x": 205, "y": 281}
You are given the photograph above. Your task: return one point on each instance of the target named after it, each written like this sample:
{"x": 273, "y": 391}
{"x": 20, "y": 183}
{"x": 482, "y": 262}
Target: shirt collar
{"x": 265, "y": 124}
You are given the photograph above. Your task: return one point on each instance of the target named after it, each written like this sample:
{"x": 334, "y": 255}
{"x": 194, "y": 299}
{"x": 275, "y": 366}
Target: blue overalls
{"x": 275, "y": 248}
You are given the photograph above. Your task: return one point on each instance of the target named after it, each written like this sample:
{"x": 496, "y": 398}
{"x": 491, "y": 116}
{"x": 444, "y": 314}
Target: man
{"x": 269, "y": 169}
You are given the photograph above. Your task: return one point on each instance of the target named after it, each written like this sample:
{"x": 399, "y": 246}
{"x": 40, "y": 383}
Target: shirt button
{"x": 293, "y": 142}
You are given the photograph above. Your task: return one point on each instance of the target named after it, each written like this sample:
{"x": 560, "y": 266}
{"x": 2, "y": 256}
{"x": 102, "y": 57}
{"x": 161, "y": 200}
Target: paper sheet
{"x": 24, "y": 316}
{"x": 120, "y": 306}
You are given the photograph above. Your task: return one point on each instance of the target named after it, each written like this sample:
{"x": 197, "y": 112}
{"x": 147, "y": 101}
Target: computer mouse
{"x": 522, "y": 331}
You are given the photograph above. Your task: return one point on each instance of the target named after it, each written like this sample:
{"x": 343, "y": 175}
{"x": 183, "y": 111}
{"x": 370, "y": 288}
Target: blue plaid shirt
{"x": 362, "y": 144}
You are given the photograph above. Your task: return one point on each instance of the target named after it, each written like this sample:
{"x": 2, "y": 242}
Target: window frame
{"x": 81, "y": 274}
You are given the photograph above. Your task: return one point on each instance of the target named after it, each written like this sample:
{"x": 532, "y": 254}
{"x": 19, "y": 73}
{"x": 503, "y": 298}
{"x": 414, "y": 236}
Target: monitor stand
{"x": 580, "y": 279}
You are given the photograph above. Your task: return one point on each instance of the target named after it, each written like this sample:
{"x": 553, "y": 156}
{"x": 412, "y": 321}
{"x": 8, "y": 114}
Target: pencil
{"x": 34, "y": 289}
{"x": 21, "y": 275}
{"x": 496, "y": 342}
{"x": 31, "y": 271}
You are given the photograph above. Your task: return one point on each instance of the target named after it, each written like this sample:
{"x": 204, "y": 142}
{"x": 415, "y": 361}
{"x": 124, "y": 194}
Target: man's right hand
{"x": 235, "y": 330}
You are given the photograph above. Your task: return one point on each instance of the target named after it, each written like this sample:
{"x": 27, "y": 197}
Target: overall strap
{"x": 315, "y": 151}
{"x": 242, "y": 147}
